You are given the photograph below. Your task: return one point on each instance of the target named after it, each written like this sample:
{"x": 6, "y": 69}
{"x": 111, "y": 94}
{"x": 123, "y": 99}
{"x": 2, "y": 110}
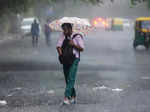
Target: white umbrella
{"x": 79, "y": 24}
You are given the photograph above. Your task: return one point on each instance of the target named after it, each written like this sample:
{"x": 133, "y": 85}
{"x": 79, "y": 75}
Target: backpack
{"x": 67, "y": 52}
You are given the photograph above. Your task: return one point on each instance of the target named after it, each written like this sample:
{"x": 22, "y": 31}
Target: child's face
{"x": 67, "y": 31}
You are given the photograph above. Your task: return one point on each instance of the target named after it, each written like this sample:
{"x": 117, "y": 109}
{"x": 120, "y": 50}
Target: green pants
{"x": 70, "y": 76}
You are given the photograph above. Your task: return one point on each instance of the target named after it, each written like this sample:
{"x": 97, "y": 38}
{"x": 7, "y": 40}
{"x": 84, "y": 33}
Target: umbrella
{"x": 79, "y": 24}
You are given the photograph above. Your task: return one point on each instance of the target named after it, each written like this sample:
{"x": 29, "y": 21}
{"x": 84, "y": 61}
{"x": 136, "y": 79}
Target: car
{"x": 99, "y": 23}
{"x": 26, "y": 25}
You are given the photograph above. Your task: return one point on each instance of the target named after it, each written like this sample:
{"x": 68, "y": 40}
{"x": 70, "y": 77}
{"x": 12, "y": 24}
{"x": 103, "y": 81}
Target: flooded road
{"x": 112, "y": 76}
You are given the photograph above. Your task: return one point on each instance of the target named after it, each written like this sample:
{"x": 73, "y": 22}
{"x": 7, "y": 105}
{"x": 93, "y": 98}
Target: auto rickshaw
{"x": 142, "y": 32}
{"x": 117, "y": 24}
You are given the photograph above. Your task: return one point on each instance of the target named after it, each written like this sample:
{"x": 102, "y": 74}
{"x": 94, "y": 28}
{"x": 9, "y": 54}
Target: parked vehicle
{"x": 142, "y": 32}
{"x": 117, "y": 24}
{"x": 99, "y": 23}
{"x": 26, "y": 25}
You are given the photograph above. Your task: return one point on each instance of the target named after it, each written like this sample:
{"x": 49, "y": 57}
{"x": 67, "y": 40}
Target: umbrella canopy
{"x": 75, "y": 20}
{"x": 79, "y": 24}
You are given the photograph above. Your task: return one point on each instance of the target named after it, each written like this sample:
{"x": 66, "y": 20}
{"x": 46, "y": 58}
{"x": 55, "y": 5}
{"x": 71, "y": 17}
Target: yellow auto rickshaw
{"x": 117, "y": 24}
{"x": 142, "y": 32}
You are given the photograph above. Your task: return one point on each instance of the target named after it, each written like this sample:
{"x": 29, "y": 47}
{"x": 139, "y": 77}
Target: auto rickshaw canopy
{"x": 143, "y": 24}
{"x": 143, "y": 19}
{"x": 118, "y": 21}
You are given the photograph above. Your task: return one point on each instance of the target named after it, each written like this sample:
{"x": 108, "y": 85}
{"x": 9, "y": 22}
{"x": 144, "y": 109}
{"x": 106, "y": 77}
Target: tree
{"x": 134, "y": 2}
{"x": 10, "y": 8}
{"x": 22, "y": 5}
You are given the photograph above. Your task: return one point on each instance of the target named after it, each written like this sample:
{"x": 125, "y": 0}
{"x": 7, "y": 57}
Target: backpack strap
{"x": 74, "y": 36}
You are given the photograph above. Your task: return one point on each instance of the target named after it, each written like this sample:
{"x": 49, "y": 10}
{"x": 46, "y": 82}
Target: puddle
{"x": 117, "y": 90}
{"x": 3, "y": 102}
{"x": 51, "y": 92}
{"x": 145, "y": 78}
{"x": 100, "y": 88}
{"x": 107, "y": 88}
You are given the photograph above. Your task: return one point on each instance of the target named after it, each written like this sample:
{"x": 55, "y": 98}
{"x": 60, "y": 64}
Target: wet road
{"x": 112, "y": 77}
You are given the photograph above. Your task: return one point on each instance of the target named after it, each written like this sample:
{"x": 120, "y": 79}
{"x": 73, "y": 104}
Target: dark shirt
{"x": 47, "y": 29}
{"x": 35, "y": 29}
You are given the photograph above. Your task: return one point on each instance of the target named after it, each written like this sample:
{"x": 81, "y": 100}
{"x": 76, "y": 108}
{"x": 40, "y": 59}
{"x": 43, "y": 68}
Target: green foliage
{"x": 23, "y": 5}
{"x": 14, "y": 5}
{"x": 134, "y": 2}
{"x": 148, "y": 3}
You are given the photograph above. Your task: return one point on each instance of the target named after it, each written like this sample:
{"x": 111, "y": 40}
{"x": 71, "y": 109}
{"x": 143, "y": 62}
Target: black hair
{"x": 68, "y": 25}
{"x": 35, "y": 21}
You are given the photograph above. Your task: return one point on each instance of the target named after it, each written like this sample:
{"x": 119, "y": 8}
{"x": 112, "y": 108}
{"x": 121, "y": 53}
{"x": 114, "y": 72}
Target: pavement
{"x": 112, "y": 76}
